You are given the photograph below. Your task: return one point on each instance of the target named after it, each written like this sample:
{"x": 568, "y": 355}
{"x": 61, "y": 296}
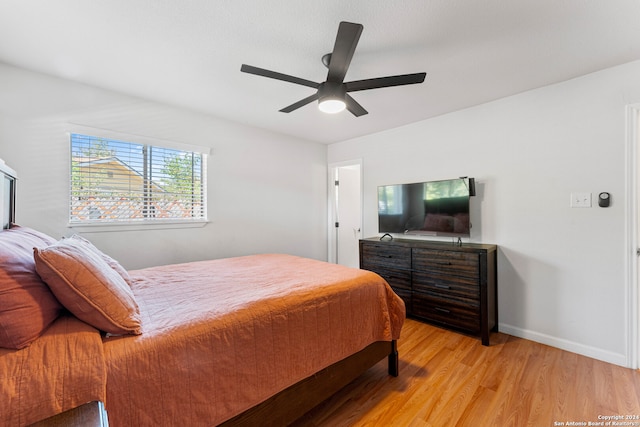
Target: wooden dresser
{"x": 450, "y": 285}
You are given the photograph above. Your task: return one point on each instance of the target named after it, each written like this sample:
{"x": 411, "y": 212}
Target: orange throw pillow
{"x": 88, "y": 287}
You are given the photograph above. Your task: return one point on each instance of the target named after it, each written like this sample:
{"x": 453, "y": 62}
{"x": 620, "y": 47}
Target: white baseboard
{"x": 585, "y": 350}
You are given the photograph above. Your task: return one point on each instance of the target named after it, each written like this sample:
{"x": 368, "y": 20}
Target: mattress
{"x": 221, "y": 336}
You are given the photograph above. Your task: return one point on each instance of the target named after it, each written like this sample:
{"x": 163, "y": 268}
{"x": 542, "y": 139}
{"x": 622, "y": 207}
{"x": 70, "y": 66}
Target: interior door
{"x": 346, "y": 221}
{"x": 633, "y": 234}
{"x": 633, "y": 148}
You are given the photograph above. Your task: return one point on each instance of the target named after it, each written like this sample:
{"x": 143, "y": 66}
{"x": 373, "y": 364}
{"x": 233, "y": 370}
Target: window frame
{"x": 145, "y": 223}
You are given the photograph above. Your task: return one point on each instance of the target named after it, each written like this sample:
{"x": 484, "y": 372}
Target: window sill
{"x": 136, "y": 226}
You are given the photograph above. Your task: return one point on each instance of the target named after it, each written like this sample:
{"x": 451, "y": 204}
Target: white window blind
{"x": 116, "y": 182}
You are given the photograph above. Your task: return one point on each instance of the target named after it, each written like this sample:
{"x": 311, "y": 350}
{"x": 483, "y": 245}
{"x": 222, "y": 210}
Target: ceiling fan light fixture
{"x": 331, "y": 106}
{"x": 331, "y": 97}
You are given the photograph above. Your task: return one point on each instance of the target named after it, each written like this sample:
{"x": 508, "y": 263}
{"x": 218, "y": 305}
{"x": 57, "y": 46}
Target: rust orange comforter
{"x": 222, "y": 336}
{"x": 62, "y": 369}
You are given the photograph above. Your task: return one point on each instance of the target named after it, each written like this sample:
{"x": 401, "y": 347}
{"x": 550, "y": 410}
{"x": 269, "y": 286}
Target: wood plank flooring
{"x": 448, "y": 379}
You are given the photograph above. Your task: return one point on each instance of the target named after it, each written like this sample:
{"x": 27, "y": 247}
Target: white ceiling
{"x": 188, "y": 53}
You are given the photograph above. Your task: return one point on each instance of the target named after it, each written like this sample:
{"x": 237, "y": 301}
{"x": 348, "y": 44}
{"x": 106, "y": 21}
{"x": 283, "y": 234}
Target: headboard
{"x": 7, "y": 194}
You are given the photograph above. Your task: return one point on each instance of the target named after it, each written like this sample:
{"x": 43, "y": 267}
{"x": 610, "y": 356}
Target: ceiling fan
{"x": 333, "y": 94}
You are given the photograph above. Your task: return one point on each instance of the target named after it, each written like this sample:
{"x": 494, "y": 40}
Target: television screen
{"x": 435, "y": 208}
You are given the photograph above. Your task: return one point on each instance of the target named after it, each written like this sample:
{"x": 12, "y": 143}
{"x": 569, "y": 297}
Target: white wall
{"x": 561, "y": 270}
{"x": 267, "y": 192}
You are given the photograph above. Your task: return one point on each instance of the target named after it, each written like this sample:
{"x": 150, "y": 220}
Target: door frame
{"x": 331, "y": 204}
{"x": 632, "y": 292}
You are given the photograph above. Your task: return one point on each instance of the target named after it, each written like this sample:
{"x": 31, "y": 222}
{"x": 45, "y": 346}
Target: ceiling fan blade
{"x": 278, "y": 76}
{"x": 345, "y": 46}
{"x": 353, "y": 106}
{"x": 300, "y": 103}
{"x": 404, "y": 79}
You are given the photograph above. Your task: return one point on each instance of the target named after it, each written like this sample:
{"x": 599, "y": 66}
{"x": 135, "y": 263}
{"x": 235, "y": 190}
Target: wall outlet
{"x": 580, "y": 200}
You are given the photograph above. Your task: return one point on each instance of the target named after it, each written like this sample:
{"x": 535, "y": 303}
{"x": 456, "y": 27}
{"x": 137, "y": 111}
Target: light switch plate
{"x": 580, "y": 200}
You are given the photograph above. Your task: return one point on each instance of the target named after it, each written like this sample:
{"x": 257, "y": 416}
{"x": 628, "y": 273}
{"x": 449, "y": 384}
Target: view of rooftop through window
{"x": 117, "y": 181}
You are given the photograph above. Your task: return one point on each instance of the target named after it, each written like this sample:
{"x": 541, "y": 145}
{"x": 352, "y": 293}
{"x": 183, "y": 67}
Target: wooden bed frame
{"x": 291, "y": 403}
{"x": 295, "y": 401}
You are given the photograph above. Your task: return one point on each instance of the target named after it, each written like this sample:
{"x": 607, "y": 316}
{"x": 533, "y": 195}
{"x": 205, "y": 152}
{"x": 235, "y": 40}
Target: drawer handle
{"x": 442, "y": 310}
{"x": 442, "y": 286}
{"x": 444, "y": 263}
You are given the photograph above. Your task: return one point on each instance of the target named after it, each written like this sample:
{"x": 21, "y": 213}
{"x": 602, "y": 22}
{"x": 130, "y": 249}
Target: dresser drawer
{"x": 381, "y": 255}
{"x": 400, "y": 279}
{"x": 450, "y": 263}
{"x": 446, "y": 312}
{"x": 462, "y": 289}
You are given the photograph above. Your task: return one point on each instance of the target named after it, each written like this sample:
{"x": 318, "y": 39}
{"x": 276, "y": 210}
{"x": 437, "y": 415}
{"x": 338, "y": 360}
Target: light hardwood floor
{"x": 448, "y": 379}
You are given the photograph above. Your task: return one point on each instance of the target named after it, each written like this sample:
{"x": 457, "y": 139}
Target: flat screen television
{"x": 433, "y": 208}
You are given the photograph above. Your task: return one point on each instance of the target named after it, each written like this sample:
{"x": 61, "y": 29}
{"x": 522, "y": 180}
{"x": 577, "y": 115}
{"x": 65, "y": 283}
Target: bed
{"x": 251, "y": 340}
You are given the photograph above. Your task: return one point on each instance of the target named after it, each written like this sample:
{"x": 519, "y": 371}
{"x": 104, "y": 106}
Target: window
{"x": 119, "y": 182}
